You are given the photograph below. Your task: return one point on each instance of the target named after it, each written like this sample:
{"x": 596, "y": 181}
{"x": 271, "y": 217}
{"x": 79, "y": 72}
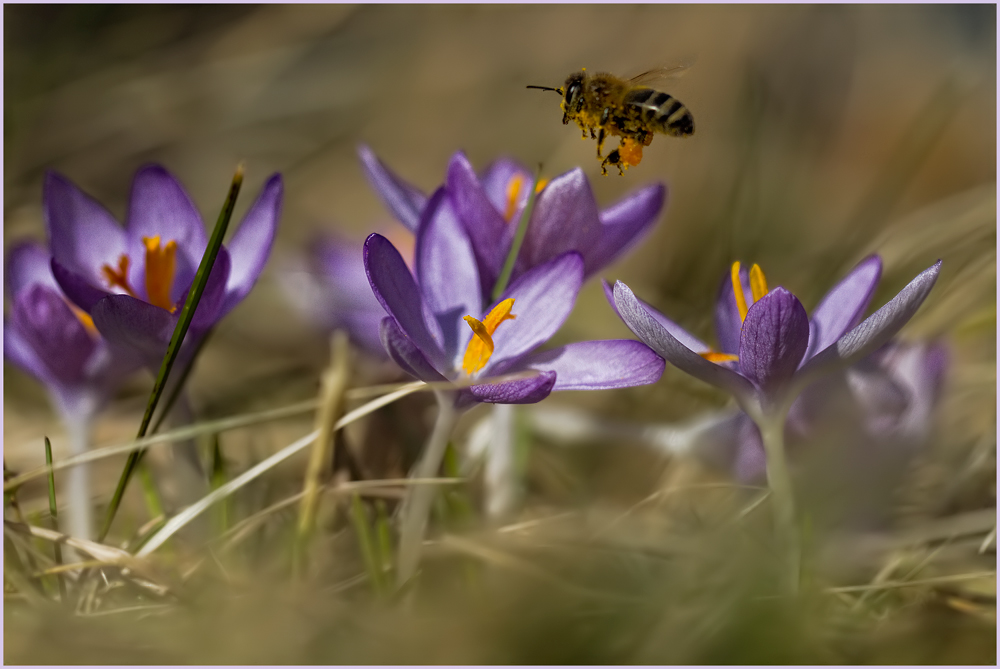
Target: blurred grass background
{"x": 823, "y": 133}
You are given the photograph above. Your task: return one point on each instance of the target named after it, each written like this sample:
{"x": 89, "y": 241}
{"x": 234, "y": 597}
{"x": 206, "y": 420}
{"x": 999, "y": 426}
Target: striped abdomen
{"x": 659, "y": 111}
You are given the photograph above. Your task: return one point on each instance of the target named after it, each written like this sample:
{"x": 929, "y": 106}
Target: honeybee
{"x": 603, "y": 104}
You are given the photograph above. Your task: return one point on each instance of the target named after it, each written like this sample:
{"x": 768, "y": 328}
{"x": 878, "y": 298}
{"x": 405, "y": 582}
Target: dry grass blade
{"x": 891, "y": 585}
{"x": 101, "y": 552}
{"x": 186, "y": 516}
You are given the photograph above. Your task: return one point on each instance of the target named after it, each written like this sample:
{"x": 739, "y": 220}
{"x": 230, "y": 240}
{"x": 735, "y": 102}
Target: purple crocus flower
{"x": 769, "y": 348}
{"x": 133, "y": 282}
{"x": 565, "y": 216}
{"x": 434, "y": 331}
{"x": 57, "y": 343}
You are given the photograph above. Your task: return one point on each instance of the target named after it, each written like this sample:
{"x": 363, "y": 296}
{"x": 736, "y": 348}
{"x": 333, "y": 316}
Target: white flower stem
{"x": 772, "y": 432}
{"x": 501, "y": 464}
{"x": 417, "y": 505}
{"x": 76, "y": 490}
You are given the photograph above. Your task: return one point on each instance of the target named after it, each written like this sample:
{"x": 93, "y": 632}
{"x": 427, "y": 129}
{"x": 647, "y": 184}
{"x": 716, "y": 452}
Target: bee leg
{"x": 592, "y": 136}
{"x": 565, "y": 119}
{"x": 600, "y": 141}
{"x": 613, "y": 158}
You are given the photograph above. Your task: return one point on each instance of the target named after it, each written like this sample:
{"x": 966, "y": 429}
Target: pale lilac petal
{"x": 842, "y": 308}
{"x": 750, "y": 463}
{"x": 402, "y": 199}
{"x": 399, "y": 295}
{"x": 727, "y": 315}
{"x": 623, "y": 225}
{"x": 76, "y": 288}
{"x": 446, "y": 272}
{"x": 565, "y": 218}
{"x": 135, "y": 325}
{"x": 485, "y": 226}
{"x": 405, "y": 353}
{"x": 83, "y": 235}
{"x": 210, "y": 305}
{"x": 878, "y": 328}
{"x": 774, "y": 339}
{"x": 18, "y": 350}
{"x": 679, "y": 333}
{"x": 58, "y": 337}
{"x": 28, "y": 264}
{"x": 497, "y": 179}
{"x": 543, "y": 299}
{"x": 251, "y": 245}
{"x": 649, "y": 330}
{"x": 596, "y": 365}
{"x": 521, "y": 391}
{"x": 160, "y": 207}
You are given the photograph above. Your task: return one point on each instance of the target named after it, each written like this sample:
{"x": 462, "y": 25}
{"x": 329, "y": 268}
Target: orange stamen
{"x": 118, "y": 278}
{"x": 758, "y": 284}
{"x": 480, "y": 348}
{"x": 741, "y": 299}
{"x": 84, "y": 317}
{"x": 715, "y": 357}
{"x": 514, "y": 192}
{"x": 161, "y": 263}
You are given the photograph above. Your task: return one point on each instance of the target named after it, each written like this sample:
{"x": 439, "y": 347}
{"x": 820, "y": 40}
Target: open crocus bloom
{"x": 770, "y": 348}
{"x": 440, "y": 329}
{"x": 56, "y": 342}
{"x": 133, "y": 282}
{"x": 565, "y": 215}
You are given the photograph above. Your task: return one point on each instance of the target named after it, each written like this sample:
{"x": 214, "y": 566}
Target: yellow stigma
{"x": 758, "y": 284}
{"x": 514, "y": 192}
{"x": 118, "y": 278}
{"x": 741, "y": 299}
{"x": 480, "y": 348}
{"x": 161, "y": 263}
{"x": 715, "y": 357}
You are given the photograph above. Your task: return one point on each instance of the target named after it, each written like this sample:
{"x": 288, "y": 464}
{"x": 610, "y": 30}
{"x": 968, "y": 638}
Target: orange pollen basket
{"x": 480, "y": 348}
{"x": 630, "y": 152}
{"x": 161, "y": 264}
{"x": 514, "y": 192}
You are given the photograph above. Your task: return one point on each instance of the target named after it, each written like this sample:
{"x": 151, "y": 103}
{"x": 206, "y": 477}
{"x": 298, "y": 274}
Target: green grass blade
{"x": 369, "y": 551}
{"x": 515, "y": 247}
{"x": 54, "y": 515}
{"x": 174, "y": 347}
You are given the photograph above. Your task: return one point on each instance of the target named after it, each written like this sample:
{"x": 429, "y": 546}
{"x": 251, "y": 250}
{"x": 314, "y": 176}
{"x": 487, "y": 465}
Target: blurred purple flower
{"x": 133, "y": 282}
{"x": 565, "y": 216}
{"x": 329, "y": 286}
{"x": 881, "y": 407}
{"x": 57, "y": 343}
{"x": 434, "y": 333}
{"x": 770, "y": 348}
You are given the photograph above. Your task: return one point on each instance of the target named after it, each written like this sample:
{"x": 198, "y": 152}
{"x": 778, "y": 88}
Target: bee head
{"x": 574, "y": 91}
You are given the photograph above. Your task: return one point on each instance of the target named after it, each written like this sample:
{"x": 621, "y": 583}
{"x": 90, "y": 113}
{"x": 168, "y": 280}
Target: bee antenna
{"x": 547, "y": 88}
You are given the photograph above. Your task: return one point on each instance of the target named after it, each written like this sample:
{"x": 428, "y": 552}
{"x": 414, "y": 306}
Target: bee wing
{"x": 660, "y": 73}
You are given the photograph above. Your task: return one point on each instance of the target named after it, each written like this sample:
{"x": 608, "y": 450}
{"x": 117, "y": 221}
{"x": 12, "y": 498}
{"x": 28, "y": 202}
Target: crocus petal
{"x": 520, "y": 391}
{"x": 595, "y": 365}
{"x": 623, "y": 225}
{"x": 750, "y": 463}
{"x": 136, "y": 325}
{"x": 727, "y": 315}
{"x": 83, "y": 236}
{"x": 399, "y": 295}
{"x": 679, "y": 333}
{"x": 774, "y": 339}
{"x": 402, "y": 199}
{"x": 76, "y": 288}
{"x": 250, "y": 247}
{"x": 212, "y": 298}
{"x": 565, "y": 218}
{"x": 496, "y": 181}
{"x": 160, "y": 207}
{"x": 649, "y": 330}
{"x": 404, "y": 352}
{"x": 543, "y": 299}
{"x": 877, "y": 329}
{"x": 484, "y": 224}
{"x": 19, "y": 351}
{"x": 842, "y": 308}
{"x": 446, "y": 272}
{"x": 28, "y": 263}
{"x": 41, "y": 316}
